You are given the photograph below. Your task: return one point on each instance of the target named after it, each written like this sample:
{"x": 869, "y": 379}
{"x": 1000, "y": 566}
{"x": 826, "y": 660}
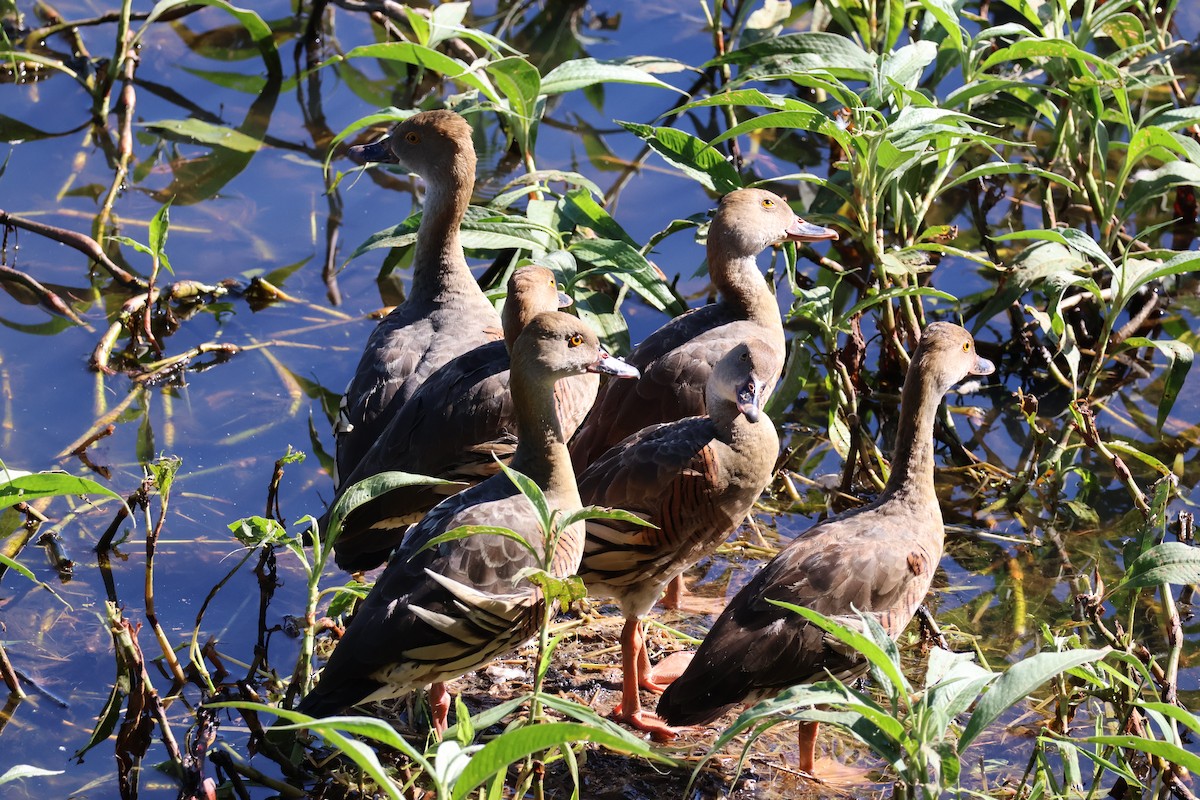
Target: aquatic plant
{"x": 1027, "y": 169}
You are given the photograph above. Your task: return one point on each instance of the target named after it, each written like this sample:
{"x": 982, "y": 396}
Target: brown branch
{"x": 44, "y": 295}
{"x": 79, "y": 241}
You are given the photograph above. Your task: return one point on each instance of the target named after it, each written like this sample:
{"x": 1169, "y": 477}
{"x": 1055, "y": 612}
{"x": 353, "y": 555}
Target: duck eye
{"x": 412, "y": 137}
{"x": 768, "y": 203}
{"x": 966, "y": 347}
{"x": 575, "y": 340}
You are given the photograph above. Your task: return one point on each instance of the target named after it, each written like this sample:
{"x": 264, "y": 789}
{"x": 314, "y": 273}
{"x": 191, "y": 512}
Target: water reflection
{"x": 267, "y": 317}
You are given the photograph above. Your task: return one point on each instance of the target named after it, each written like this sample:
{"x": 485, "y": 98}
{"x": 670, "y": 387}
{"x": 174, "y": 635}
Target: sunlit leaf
{"x": 428, "y": 58}
{"x": 693, "y": 156}
{"x": 801, "y": 52}
{"x": 515, "y": 745}
{"x": 21, "y": 771}
{"x": 1169, "y": 562}
{"x": 1018, "y": 682}
{"x": 1152, "y": 185}
{"x": 17, "y": 487}
{"x": 466, "y": 531}
{"x": 624, "y": 262}
{"x": 583, "y": 72}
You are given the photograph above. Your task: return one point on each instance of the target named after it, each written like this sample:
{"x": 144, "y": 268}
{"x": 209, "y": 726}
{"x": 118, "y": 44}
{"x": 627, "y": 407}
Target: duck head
{"x": 750, "y": 220}
{"x": 532, "y": 290}
{"x": 427, "y": 143}
{"x": 741, "y": 378}
{"x": 555, "y": 345}
{"x": 946, "y": 355}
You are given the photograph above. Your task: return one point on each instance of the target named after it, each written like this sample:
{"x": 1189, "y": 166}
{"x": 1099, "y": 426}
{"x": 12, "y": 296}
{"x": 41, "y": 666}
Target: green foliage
{"x": 1043, "y": 164}
{"x": 911, "y": 731}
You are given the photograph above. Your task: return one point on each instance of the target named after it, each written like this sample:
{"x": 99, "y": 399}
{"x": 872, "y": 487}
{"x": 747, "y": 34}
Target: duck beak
{"x": 613, "y": 366}
{"x": 801, "y": 231}
{"x": 373, "y": 153}
{"x": 564, "y": 300}
{"x": 749, "y": 399}
{"x": 982, "y": 366}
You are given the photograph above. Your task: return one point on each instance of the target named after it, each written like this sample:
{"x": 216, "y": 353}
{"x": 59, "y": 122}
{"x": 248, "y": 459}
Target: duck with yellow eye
{"x": 459, "y": 426}
{"x": 445, "y": 313}
{"x": 677, "y": 360}
{"x": 878, "y": 559}
{"x": 439, "y": 611}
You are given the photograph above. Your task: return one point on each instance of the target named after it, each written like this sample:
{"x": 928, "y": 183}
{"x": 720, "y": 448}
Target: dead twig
{"x": 79, "y": 241}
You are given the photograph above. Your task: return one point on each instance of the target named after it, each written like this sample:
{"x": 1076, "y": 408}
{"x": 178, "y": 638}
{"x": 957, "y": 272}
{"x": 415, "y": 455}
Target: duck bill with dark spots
{"x": 374, "y": 153}
{"x": 610, "y": 365}
{"x": 802, "y": 231}
{"x": 750, "y": 398}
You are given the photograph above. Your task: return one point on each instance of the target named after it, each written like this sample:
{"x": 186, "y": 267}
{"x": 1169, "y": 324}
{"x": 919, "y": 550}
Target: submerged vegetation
{"x": 1027, "y": 169}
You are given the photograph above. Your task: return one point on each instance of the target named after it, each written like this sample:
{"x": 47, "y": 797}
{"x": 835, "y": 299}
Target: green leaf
{"x": 368, "y": 489}
{"x": 1032, "y": 47}
{"x": 1179, "y": 362}
{"x": 814, "y": 120}
{"x": 427, "y": 58}
{"x": 465, "y": 531}
{"x": 481, "y": 229}
{"x": 802, "y": 52}
{"x": 26, "y": 771}
{"x": 1171, "y": 753}
{"x": 201, "y": 132}
{"x": 1169, "y": 562}
{"x": 1018, "y": 682}
{"x": 564, "y": 591}
{"x": 512, "y": 746}
{"x": 1153, "y": 185}
{"x": 748, "y": 97}
{"x": 864, "y": 645}
{"x": 16, "y": 487}
{"x": 260, "y": 32}
{"x": 599, "y": 512}
{"x": 334, "y": 730}
{"x": 256, "y": 531}
{"x": 582, "y": 209}
{"x": 623, "y": 261}
{"x": 580, "y": 73}
{"x": 692, "y": 156}
{"x": 537, "y": 498}
{"x": 521, "y": 85}
{"x": 1009, "y": 168}
{"x": 18, "y": 567}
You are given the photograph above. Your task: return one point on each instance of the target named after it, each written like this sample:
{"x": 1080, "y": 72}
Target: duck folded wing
{"x": 757, "y": 648}
{"x": 657, "y": 474}
{"x": 676, "y": 363}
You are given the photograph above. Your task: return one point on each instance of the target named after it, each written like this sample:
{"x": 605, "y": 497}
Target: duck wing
{"x": 875, "y": 560}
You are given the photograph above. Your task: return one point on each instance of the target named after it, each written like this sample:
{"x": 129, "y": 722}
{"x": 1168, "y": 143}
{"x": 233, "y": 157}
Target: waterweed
{"x": 455, "y": 766}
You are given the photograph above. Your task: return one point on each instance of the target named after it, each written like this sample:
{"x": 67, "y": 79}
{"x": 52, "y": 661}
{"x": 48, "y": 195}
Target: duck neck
{"x": 912, "y": 463}
{"x": 743, "y": 288}
{"x": 541, "y": 448}
{"x": 439, "y": 266}
{"x": 515, "y": 316}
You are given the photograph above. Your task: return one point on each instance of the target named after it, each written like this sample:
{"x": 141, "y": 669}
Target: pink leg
{"x": 668, "y": 669}
{"x": 439, "y": 707}
{"x": 630, "y": 710}
{"x": 673, "y": 597}
{"x": 808, "y": 746}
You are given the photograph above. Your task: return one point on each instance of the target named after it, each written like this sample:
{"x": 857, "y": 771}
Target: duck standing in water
{"x": 695, "y": 479}
{"x": 878, "y": 559}
{"x": 677, "y": 360}
{"x": 435, "y": 614}
{"x": 454, "y": 427}
{"x": 446, "y": 313}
